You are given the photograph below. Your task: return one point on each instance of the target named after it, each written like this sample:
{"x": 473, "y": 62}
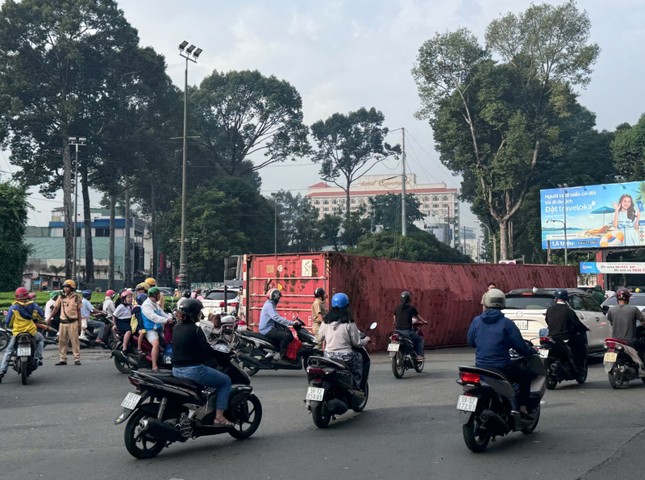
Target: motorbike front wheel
{"x": 24, "y": 372}
{"x": 530, "y": 427}
{"x": 581, "y": 376}
{"x": 140, "y": 445}
{"x": 4, "y": 340}
{"x": 247, "y": 416}
{"x": 398, "y": 365}
{"x": 361, "y": 406}
{"x": 122, "y": 364}
{"x": 476, "y": 438}
{"x": 321, "y": 419}
{"x": 418, "y": 366}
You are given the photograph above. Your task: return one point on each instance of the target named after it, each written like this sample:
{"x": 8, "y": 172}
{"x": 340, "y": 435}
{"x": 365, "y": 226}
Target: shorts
{"x": 123, "y": 325}
{"x": 151, "y": 335}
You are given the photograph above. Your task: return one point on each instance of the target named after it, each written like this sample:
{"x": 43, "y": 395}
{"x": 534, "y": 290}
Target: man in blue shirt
{"x": 87, "y": 309}
{"x": 273, "y": 326}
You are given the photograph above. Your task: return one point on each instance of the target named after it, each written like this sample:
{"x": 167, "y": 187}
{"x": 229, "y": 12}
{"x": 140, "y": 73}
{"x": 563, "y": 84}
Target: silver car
{"x": 527, "y": 309}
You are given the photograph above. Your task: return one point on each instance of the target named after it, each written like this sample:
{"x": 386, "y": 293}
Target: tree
{"x": 13, "y": 220}
{"x": 386, "y": 211}
{"x": 299, "y": 222}
{"x": 628, "y": 150}
{"x": 239, "y": 114}
{"x": 349, "y": 146}
{"x": 493, "y": 122}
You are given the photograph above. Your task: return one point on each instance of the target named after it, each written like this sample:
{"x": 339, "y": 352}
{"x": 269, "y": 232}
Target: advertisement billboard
{"x": 593, "y": 216}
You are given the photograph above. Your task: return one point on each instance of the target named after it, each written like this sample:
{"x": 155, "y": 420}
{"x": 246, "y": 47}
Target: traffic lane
{"x": 410, "y": 427}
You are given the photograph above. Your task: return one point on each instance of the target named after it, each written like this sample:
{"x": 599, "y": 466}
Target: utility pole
{"x": 78, "y": 142}
{"x": 404, "y": 227}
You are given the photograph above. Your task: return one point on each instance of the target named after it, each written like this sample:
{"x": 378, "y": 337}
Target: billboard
{"x": 595, "y": 216}
{"x": 620, "y": 267}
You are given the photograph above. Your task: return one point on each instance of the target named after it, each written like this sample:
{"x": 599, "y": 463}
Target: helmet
{"x": 54, "y": 294}
{"x": 22, "y": 293}
{"x": 319, "y": 292}
{"x": 638, "y": 290}
{"x": 406, "y": 297}
{"x": 153, "y": 291}
{"x": 70, "y": 283}
{"x": 186, "y": 294}
{"x": 151, "y": 281}
{"x": 87, "y": 294}
{"x": 562, "y": 294}
{"x": 125, "y": 293}
{"x": 109, "y": 293}
{"x": 494, "y": 298}
{"x": 274, "y": 295}
{"x": 191, "y": 307}
{"x": 143, "y": 285}
{"x": 339, "y": 300}
{"x": 623, "y": 294}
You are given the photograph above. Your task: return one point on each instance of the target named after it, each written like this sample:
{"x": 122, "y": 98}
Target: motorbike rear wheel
{"x": 247, "y": 416}
{"x": 475, "y": 438}
{"x": 24, "y": 372}
{"x": 398, "y": 365}
{"x": 616, "y": 379}
{"x": 321, "y": 419}
{"x": 361, "y": 406}
{"x": 140, "y": 445}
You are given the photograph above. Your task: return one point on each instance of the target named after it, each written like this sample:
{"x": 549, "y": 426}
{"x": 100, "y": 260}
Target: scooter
{"x": 486, "y": 399}
{"x": 622, "y": 362}
{"x": 130, "y": 360}
{"x": 256, "y": 352}
{"x": 558, "y": 361}
{"x": 402, "y": 353}
{"x": 165, "y": 409}
{"x": 23, "y": 359}
{"x": 331, "y": 390}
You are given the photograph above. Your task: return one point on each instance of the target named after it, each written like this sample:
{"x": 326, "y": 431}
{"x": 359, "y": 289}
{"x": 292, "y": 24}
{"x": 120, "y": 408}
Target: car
{"x": 167, "y": 291}
{"x": 637, "y": 299}
{"x": 214, "y": 301}
{"x": 526, "y": 307}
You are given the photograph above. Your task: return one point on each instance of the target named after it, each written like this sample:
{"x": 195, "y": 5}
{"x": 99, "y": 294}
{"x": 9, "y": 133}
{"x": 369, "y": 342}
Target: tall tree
{"x": 13, "y": 250}
{"x": 495, "y": 122}
{"x": 349, "y": 146}
{"x": 386, "y": 211}
{"x": 237, "y": 115}
{"x": 628, "y": 150}
{"x": 298, "y": 222}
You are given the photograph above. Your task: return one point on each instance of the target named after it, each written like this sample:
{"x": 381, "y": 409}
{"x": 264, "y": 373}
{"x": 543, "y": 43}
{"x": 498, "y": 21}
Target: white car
{"x": 637, "y": 299}
{"x": 214, "y": 302}
{"x": 527, "y": 309}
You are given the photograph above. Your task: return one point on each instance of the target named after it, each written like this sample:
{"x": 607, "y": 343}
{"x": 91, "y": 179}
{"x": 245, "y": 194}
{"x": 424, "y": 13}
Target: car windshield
{"x": 528, "y": 302}
{"x": 219, "y": 295}
{"x": 634, "y": 300}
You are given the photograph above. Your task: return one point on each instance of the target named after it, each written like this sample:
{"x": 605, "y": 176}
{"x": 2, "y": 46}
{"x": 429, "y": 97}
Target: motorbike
{"x": 402, "y": 353}
{"x": 108, "y": 340}
{"x": 165, "y": 409}
{"x": 5, "y": 336}
{"x": 331, "y": 389}
{"x": 23, "y": 359}
{"x": 130, "y": 360}
{"x": 622, "y": 362}
{"x": 486, "y": 399}
{"x": 256, "y": 352}
{"x": 558, "y": 361}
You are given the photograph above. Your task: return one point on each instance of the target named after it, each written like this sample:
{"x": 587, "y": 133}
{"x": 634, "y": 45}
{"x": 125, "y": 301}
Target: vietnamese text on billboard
{"x": 596, "y": 216}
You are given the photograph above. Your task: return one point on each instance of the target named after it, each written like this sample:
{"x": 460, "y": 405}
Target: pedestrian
{"x": 597, "y": 294}
{"x": 68, "y": 305}
{"x": 491, "y": 285}
{"x": 318, "y": 311}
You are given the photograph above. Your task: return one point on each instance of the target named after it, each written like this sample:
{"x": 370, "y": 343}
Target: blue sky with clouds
{"x": 345, "y": 54}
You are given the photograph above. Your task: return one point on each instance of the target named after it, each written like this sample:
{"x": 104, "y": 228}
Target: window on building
{"x": 316, "y": 202}
{"x": 102, "y": 232}
{"x": 435, "y": 198}
{"x": 325, "y": 202}
{"x": 445, "y": 198}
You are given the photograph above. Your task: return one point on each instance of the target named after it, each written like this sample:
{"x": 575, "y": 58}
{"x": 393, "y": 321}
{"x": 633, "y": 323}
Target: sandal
{"x": 224, "y": 422}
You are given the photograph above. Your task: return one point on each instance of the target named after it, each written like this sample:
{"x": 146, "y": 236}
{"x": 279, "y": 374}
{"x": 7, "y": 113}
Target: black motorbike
{"x": 23, "y": 359}
{"x": 559, "y": 361}
{"x": 165, "y": 409}
{"x": 331, "y": 390}
{"x": 486, "y": 399}
{"x": 257, "y": 352}
{"x": 402, "y": 352}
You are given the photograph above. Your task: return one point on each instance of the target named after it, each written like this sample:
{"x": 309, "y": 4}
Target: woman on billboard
{"x": 626, "y": 219}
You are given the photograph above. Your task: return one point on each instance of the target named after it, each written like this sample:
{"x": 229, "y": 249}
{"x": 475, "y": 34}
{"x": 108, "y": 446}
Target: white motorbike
{"x": 622, "y": 363}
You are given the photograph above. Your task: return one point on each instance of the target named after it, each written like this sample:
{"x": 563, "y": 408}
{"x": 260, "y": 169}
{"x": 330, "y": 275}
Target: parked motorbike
{"x": 165, "y": 409}
{"x": 622, "y": 362}
{"x": 487, "y": 398}
{"x": 23, "y": 359}
{"x": 558, "y": 361}
{"x": 401, "y": 351}
{"x": 331, "y": 389}
{"x": 256, "y": 352}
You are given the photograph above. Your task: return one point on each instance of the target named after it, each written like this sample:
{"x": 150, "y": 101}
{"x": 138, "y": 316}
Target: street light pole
{"x": 566, "y": 260}
{"x": 189, "y": 53}
{"x": 77, "y": 141}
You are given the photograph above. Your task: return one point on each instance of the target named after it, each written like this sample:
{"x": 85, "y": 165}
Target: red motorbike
{"x": 126, "y": 361}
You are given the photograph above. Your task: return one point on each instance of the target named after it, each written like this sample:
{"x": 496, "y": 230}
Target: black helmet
{"x": 406, "y": 297}
{"x": 562, "y": 294}
{"x": 191, "y": 307}
{"x": 186, "y": 294}
{"x": 319, "y": 292}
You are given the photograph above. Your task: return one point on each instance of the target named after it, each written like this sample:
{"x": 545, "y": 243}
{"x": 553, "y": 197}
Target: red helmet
{"x": 623, "y": 294}
{"x": 22, "y": 293}
{"x": 110, "y": 293}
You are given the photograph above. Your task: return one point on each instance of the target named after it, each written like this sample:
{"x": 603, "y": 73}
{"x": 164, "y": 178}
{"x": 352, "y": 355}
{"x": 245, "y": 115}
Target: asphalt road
{"x": 61, "y": 426}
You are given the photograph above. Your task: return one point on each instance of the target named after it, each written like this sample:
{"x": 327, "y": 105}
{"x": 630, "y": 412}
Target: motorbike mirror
{"x": 543, "y": 332}
{"x": 373, "y": 325}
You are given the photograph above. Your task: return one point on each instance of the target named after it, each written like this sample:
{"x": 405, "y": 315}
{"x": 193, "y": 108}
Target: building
{"x": 46, "y": 261}
{"x": 438, "y": 203}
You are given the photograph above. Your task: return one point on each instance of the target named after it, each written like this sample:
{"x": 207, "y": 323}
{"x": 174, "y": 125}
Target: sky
{"x": 342, "y": 55}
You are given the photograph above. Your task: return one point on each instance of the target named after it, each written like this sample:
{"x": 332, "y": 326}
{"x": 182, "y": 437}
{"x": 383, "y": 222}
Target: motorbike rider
{"x": 340, "y": 334}
{"x": 108, "y": 304}
{"x": 404, "y": 315}
{"x": 492, "y": 335}
{"x": 318, "y": 310}
{"x": 87, "y": 310}
{"x": 623, "y": 318}
{"x": 21, "y": 317}
{"x": 49, "y": 308}
{"x": 153, "y": 319}
{"x": 190, "y": 353}
{"x": 123, "y": 316}
{"x": 273, "y": 326}
{"x": 564, "y": 324}
{"x": 141, "y": 291}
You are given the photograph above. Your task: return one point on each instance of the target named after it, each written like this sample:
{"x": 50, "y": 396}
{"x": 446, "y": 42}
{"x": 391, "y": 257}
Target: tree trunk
{"x": 127, "y": 272}
{"x": 87, "y": 226}
{"x": 503, "y": 239}
{"x": 68, "y": 209}
{"x": 111, "y": 247}
{"x": 154, "y": 268}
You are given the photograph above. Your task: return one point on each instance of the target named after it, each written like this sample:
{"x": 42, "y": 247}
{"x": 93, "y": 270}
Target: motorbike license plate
{"x": 131, "y": 401}
{"x": 24, "y": 351}
{"x": 316, "y": 394}
{"x": 522, "y": 324}
{"x": 466, "y": 403}
{"x": 610, "y": 357}
{"x": 543, "y": 352}
{"x": 393, "y": 347}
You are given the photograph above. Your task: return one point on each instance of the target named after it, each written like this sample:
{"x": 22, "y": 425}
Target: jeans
{"x": 416, "y": 340}
{"x": 97, "y": 326}
{"x": 40, "y": 345}
{"x": 209, "y": 377}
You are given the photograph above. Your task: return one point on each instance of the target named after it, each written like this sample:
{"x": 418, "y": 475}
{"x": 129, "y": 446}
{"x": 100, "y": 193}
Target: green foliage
{"x": 298, "y": 223}
{"x": 386, "y": 211}
{"x": 628, "y": 149}
{"x": 13, "y": 250}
